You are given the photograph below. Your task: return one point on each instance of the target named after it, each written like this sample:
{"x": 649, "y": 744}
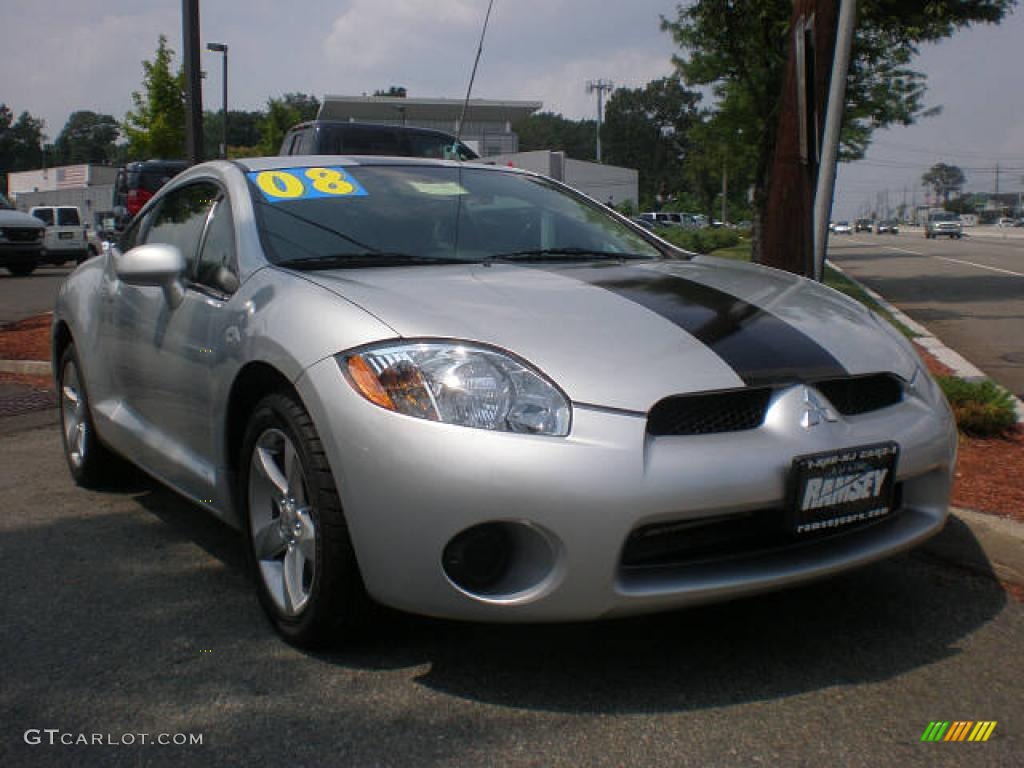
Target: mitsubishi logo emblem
{"x": 815, "y": 411}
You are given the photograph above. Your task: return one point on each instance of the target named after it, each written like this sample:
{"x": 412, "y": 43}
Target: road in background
{"x": 22, "y": 297}
{"x": 969, "y": 292}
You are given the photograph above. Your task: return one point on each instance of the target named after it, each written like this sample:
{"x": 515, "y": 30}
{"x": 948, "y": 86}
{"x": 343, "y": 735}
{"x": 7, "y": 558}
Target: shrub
{"x": 700, "y": 240}
{"x": 982, "y": 408}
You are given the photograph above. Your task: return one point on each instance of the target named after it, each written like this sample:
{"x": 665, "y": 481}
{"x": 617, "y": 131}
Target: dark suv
{"x": 21, "y": 240}
{"x": 137, "y": 182}
{"x": 337, "y": 137}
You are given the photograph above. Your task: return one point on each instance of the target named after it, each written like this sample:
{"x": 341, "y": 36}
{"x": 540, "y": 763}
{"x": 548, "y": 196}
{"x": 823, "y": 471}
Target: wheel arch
{"x": 60, "y": 339}
{"x": 253, "y": 382}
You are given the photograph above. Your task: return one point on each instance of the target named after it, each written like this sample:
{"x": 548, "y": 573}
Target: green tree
{"x": 156, "y": 126}
{"x": 396, "y": 91}
{"x": 305, "y": 105}
{"x": 739, "y": 48}
{"x": 21, "y": 142}
{"x": 548, "y": 130}
{"x": 649, "y": 129}
{"x": 87, "y": 137}
{"x": 276, "y": 121}
{"x": 243, "y": 132}
{"x": 944, "y": 179}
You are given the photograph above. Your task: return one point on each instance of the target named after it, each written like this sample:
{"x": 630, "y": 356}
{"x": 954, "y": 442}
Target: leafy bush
{"x": 699, "y": 240}
{"x": 982, "y": 408}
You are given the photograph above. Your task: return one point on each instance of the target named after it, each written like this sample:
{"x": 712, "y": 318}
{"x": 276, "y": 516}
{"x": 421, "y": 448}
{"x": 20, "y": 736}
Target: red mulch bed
{"x": 988, "y": 473}
{"x": 27, "y": 339}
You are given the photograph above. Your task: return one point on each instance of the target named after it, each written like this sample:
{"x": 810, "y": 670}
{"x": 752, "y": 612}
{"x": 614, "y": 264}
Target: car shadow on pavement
{"x": 867, "y": 626}
{"x": 151, "y": 610}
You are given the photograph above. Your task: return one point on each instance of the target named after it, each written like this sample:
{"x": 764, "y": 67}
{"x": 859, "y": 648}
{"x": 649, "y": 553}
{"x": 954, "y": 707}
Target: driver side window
{"x": 181, "y": 217}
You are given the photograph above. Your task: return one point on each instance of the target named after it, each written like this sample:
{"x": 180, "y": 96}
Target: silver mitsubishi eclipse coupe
{"x": 469, "y": 391}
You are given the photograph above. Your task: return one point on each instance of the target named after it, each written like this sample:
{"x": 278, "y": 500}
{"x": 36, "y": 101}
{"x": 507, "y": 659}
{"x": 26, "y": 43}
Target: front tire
{"x": 91, "y": 463}
{"x": 21, "y": 270}
{"x": 297, "y": 541}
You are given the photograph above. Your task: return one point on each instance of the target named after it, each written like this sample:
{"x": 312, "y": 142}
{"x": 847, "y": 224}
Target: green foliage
{"x": 547, "y": 130}
{"x": 982, "y": 408}
{"x": 700, "y": 240}
{"x": 739, "y": 48}
{"x": 243, "y": 130}
{"x": 306, "y": 105}
{"x": 648, "y": 129}
{"x": 155, "y": 128}
{"x": 21, "y": 142}
{"x": 87, "y": 137}
{"x": 944, "y": 179}
{"x": 276, "y": 121}
{"x": 395, "y": 91}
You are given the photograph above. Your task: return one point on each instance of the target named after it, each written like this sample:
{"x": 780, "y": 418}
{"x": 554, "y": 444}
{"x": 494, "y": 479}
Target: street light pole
{"x": 223, "y": 48}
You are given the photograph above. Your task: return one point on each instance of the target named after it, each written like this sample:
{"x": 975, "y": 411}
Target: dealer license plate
{"x": 840, "y": 488}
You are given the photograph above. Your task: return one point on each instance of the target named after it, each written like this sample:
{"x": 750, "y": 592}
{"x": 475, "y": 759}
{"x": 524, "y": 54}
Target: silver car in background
{"x": 468, "y": 391}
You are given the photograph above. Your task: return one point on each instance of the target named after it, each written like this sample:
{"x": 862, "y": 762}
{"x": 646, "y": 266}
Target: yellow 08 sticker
{"x": 280, "y": 185}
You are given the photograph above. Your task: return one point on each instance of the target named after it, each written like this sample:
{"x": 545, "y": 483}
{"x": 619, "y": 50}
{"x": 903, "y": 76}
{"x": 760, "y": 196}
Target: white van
{"x": 66, "y": 237}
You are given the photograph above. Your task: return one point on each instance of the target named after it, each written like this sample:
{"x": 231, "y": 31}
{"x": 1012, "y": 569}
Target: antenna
{"x": 472, "y": 77}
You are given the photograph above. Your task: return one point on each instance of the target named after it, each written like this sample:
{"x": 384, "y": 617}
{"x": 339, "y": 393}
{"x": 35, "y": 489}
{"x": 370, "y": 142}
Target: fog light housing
{"x": 503, "y": 561}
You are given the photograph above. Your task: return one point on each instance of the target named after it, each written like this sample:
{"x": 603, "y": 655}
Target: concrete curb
{"x": 925, "y": 338}
{"x": 997, "y": 546}
{"x": 30, "y": 367}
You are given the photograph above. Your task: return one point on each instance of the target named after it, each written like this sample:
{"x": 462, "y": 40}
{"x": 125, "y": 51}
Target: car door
{"x": 167, "y": 355}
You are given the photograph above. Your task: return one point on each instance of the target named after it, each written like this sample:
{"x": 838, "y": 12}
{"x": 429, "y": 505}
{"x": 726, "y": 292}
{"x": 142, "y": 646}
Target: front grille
{"x": 861, "y": 394}
{"x": 709, "y": 413}
{"x": 748, "y": 534}
{"x": 22, "y": 234}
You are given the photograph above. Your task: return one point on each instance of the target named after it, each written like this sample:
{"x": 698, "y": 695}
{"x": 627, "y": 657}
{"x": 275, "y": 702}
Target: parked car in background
{"x": 1005, "y": 221}
{"x": 137, "y": 182}
{"x": 842, "y": 228}
{"x": 338, "y": 137}
{"x": 887, "y": 227}
{"x": 862, "y": 225}
{"x": 21, "y": 240}
{"x": 471, "y": 392}
{"x": 943, "y": 224}
{"x": 66, "y": 235}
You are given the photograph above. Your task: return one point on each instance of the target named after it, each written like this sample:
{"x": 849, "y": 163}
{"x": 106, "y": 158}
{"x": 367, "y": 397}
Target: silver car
{"x": 468, "y": 391}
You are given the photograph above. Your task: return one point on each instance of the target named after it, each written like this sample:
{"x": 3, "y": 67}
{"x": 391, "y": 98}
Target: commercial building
{"x": 605, "y": 183}
{"x": 90, "y": 187}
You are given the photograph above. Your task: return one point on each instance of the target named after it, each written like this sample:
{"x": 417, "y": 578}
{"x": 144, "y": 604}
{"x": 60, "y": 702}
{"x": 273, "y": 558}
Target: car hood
{"x": 626, "y": 335}
{"x": 19, "y": 219}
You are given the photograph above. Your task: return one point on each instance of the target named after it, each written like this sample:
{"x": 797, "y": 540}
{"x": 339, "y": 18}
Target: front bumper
{"x": 20, "y": 253}
{"x": 409, "y": 486}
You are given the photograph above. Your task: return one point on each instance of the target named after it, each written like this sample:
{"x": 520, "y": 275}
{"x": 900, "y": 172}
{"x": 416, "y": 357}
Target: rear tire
{"x": 297, "y": 542}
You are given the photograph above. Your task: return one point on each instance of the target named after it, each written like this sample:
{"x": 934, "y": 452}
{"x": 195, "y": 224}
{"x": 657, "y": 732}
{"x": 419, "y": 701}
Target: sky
{"x": 58, "y": 56}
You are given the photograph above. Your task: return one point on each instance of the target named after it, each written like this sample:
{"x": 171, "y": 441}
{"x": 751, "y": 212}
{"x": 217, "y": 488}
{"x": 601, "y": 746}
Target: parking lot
{"x": 128, "y": 612}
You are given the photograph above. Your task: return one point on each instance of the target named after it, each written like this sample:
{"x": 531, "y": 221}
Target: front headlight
{"x": 458, "y": 384}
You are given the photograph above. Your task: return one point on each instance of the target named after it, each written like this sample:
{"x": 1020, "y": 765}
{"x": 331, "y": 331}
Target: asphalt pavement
{"x": 128, "y": 612}
{"x": 22, "y": 297}
{"x": 969, "y": 292}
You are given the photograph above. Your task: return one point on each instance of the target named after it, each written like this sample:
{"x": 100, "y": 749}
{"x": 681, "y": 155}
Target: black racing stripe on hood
{"x": 760, "y": 347}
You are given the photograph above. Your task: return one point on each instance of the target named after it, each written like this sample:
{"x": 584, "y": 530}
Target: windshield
{"x": 945, "y": 217}
{"x": 429, "y": 214}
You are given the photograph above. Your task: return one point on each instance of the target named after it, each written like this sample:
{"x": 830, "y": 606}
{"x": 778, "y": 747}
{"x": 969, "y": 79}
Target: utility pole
{"x": 997, "y": 178}
{"x": 725, "y": 187}
{"x": 223, "y": 48}
{"x": 193, "y": 87}
{"x": 600, "y": 86}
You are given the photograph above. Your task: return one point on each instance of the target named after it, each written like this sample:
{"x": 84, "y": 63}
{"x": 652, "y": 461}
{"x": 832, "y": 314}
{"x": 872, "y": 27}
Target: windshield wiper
{"x": 563, "y": 254}
{"x": 367, "y": 259}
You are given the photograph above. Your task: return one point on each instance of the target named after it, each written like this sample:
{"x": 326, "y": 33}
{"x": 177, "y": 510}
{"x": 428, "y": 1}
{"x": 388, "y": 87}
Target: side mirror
{"x": 158, "y": 265}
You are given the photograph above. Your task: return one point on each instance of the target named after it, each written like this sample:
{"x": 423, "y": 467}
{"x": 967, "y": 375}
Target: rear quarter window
{"x": 68, "y": 217}
{"x": 45, "y": 215}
